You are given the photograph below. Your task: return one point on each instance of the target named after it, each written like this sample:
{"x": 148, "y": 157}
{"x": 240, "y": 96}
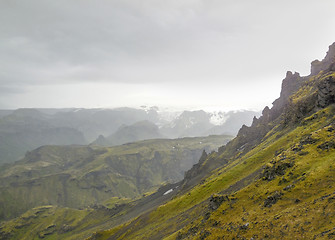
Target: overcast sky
{"x": 212, "y": 54}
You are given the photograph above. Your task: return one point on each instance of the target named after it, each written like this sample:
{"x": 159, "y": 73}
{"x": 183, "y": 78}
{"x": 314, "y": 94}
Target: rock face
{"x": 324, "y": 95}
{"x": 326, "y": 92}
{"x": 291, "y": 83}
{"x": 328, "y": 63}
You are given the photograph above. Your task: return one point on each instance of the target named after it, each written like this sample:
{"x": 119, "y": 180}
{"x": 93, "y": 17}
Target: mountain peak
{"x": 328, "y": 63}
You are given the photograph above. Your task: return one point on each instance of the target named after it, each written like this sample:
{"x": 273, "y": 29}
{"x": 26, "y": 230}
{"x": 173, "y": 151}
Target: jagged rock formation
{"x": 321, "y": 94}
{"x": 326, "y": 92}
{"x": 327, "y": 64}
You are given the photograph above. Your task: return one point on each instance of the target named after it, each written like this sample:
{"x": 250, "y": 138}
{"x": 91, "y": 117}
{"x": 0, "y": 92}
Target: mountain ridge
{"x": 274, "y": 180}
{"x": 304, "y": 111}
{"x": 23, "y": 130}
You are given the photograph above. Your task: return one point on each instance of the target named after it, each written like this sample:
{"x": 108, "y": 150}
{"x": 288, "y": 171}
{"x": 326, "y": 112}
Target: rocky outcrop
{"x": 290, "y": 84}
{"x": 293, "y": 112}
{"x": 326, "y": 92}
{"x": 272, "y": 199}
{"x": 328, "y": 63}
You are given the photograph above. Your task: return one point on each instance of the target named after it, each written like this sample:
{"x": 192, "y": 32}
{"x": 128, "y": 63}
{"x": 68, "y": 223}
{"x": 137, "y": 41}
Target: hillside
{"x": 275, "y": 180}
{"x": 78, "y": 176}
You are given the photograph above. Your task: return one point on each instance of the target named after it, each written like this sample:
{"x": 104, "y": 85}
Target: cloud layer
{"x": 156, "y": 52}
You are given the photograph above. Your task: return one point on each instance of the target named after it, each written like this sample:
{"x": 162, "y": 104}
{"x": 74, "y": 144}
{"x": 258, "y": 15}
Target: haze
{"x": 182, "y": 54}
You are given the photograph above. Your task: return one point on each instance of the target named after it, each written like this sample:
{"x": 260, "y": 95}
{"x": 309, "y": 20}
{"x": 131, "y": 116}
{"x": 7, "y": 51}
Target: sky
{"x": 185, "y": 54}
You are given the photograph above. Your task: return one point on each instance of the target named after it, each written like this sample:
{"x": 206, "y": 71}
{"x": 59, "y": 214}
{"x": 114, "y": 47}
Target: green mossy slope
{"x": 78, "y": 176}
{"x": 275, "y": 180}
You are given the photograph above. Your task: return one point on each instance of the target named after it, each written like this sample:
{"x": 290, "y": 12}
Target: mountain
{"x": 95, "y": 122}
{"x": 201, "y": 123}
{"x": 25, "y": 129}
{"x": 274, "y": 180}
{"x": 79, "y": 176}
{"x": 142, "y": 130}
{"x": 233, "y": 122}
{"x": 5, "y": 112}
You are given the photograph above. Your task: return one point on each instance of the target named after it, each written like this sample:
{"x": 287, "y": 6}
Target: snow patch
{"x": 218, "y": 118}
{"x": 168, "y": 191}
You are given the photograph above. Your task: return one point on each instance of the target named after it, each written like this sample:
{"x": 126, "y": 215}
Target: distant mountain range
{"x": 23, "y": 130}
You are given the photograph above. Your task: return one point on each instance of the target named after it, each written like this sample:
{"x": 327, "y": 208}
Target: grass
{"x": 295, "y": 215}
{"x": 78, "y": 176}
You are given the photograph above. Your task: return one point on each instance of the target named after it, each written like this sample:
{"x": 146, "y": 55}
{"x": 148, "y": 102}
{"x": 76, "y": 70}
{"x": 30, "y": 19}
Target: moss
{"x": 293, "y": 214}
{"x": 78, "y": 176}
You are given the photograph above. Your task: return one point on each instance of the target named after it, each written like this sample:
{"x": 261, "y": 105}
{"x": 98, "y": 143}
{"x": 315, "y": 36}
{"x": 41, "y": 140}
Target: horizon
{"x": 158, "y": 109}
{"x": 181, "y": 54}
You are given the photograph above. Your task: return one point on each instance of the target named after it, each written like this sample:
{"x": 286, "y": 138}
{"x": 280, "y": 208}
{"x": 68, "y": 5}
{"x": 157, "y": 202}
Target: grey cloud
{"x": 221, "y": 43}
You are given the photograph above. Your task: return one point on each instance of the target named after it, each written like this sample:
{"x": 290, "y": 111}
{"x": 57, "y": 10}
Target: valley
{"x": 274, "y": 180}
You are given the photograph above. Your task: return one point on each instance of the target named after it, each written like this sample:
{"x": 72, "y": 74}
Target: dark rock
{"x": 291, "y": 83}
{"x": 288, "y": 187}
{"x": 326, "y": 64}
{"x": 331, "y": 235}
{"x": 65, "y": 228}
{"x": 278, "y": 169}
{"x": 316, "y": 67}
{"x": 193, "y": 230}
{"x": 215, "y": 223}
{"x": 206, "y": 216}
{"x": 216, "y": 200}
{"x": 308, "y": 140}
{"x": 330, "y": 129}
{"x": 244, "y": 226}
{"x": 303, "y": 153}
{"x": 203, "y": 157}
{"x": 266, "y": 113}
{"x": 272, "y": 199}
{"x": 325, "y": 232}
{"x": 204, "y": 235}
{"x": 5, "y": 235}
{"x": 326, "y": 145}
{"x": 326, "y": 92}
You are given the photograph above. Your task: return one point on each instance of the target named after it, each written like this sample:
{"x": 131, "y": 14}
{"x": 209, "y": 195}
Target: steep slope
{"x": 274, "y": 180}
{"x": 78, "y": 176}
